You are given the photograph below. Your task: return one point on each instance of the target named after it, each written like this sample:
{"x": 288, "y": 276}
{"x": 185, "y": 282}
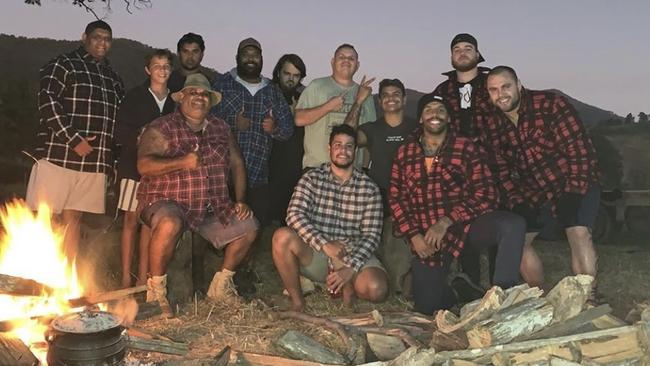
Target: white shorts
{"x": 128, "y": 190}
{"x": 65, "y": 189}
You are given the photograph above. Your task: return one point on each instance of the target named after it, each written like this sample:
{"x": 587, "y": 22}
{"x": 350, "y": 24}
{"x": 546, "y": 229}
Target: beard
{"x": 469, "y": 65}
{"x": 247, "y": 72}
{"x": 344, "y": 165}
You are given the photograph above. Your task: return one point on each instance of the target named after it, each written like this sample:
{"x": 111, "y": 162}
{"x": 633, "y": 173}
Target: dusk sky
{"x": 595, "y": 51}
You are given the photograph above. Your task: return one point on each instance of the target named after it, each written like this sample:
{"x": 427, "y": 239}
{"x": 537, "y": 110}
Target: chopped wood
{"x": 570, "y": 325}
{"x": 106, "y": 296}
{"x": 413, "y": 357}
{"x": 156, "y": 345}
{"x": 525, "y": 346}
{"x": 402, "y": 317}
{"x": 223, "y": 357}
{"x": 520, "y": 293}
{"x": 489, "y": 304}
{"x": 525, "y": 317}
{"x": 10, "y": 324}
{"x": 385, "y": 347}
{"x": 13, "y": 352}
{"x": 298, "y": 345}
{"x": 634, "y": 315}
{"x": 334, "y": 326}
{"x": 255, "y": 359}
{"x": 569, "y": 296}
{"x": 376, "y": 316}
{"x": 449, "y": 341}
{"x": 405, "y": 336}
{"x": 608, "y": 321}
{"x": 18, "y": 286}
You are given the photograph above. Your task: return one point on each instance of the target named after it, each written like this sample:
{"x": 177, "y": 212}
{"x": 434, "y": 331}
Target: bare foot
{"x": 126, "y": 281}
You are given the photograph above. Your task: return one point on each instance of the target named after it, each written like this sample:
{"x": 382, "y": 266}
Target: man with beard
{"x": 546, "y": 166}
{"x": 190, "y": 50}
{"x": 257, "y": 113}
{"x": 285, "y": 164}
{"x": 78, "y": 101}
{"x": 331, "y": 101}
{"x": 334, "y": 226}
{"x": 382, "y": 138}
{"x": 186, "y": 159}
{"x": 439, "y": 186}
{"x": 468, "y": 99}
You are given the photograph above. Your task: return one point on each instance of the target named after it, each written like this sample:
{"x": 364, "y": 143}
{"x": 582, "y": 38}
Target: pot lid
{"x": 85, "y": 322}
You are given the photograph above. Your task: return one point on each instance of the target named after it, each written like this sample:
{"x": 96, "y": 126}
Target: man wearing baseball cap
{"x": 185, "y": 159}
{"x": 469, "y": 102}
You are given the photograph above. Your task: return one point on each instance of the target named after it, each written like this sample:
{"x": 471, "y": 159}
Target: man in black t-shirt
{"x": 382, "y": 138}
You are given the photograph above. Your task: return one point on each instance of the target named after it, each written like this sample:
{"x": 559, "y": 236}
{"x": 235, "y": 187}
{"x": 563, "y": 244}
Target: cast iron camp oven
{"x": 88, "y": 338}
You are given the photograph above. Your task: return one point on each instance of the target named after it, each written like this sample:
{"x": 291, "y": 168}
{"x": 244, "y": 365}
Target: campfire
{"x": 32, "y": 264}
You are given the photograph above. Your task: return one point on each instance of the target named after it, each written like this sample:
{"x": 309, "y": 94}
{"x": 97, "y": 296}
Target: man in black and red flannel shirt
{"x": 439, "y": 185}
{"x": 547, "y": 167}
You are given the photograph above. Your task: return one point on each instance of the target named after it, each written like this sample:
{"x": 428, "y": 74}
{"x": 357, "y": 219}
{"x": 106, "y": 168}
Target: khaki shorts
{"x": 65, "y": 189}
{"x": 317, "y": 270}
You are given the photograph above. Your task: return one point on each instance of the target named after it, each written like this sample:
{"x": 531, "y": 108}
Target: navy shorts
{"x": 587, "y": 212}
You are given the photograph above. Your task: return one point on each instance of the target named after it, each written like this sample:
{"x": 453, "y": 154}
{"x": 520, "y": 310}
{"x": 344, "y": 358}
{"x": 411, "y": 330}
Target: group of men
{"x": 486, "y": 164}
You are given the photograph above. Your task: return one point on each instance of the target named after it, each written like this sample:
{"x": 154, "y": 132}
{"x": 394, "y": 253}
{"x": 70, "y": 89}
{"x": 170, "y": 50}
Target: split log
{"x": 489, "y": 304}
{"x": 402, "y": 318}
{"x": 569, "y": 296}
{"x": 13, "y": 352}
{"x": 578, "y": 340}
{"x": 520, "y": 293}
{"x": 449, "y": 341}
{"x": 413, "y": 357}
{"x": 525, "y": 317}
{"x": 156, "y": 345}
{"x": 570, "y": 325}
{"x": 302, "y": 347}
{"x": 332, "y": 325}
{"x": 106, "y": 296}
{"x": 255, "y": 359}
{"x": 385, "y": 347}
{"x": 18, "y": 286}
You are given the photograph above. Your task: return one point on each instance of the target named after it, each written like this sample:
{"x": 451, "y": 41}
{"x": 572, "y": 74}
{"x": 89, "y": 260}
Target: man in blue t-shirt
{"x": 382, "y": 138}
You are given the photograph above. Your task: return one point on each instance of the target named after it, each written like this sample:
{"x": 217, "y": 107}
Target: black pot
{"x": 86, "y": 339}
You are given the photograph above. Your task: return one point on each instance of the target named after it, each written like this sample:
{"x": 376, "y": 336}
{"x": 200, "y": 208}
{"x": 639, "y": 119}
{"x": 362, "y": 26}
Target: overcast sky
{"x": 596, "y": 51}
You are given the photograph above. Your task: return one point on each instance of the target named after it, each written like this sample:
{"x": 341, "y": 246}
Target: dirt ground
{"x": 623, "y": 275}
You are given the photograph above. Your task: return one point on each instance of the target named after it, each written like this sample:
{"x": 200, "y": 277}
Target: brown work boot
{"x": 157, "y": 291}
{"x": 222, "y": 288}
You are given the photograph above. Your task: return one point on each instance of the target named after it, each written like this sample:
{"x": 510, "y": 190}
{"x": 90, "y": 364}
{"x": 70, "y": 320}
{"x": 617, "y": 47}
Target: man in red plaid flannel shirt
{"x": 547, "y": 167}
{"x": 439, "y": 185}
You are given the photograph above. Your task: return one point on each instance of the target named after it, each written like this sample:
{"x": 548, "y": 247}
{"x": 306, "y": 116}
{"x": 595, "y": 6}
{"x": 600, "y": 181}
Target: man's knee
{"x": 579, "y": 235}
{"x": 283, "y": 240}
{"x": 168, "y": 226}
{"x": 372, "y": 285}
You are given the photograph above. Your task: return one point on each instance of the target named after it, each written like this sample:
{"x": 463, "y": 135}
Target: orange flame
{"x": 31, "y": 247}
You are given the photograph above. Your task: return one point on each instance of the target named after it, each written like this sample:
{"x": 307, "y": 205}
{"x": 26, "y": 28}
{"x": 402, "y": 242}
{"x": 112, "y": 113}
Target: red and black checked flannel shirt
{"x": 480, "y": 106}
{"x": 460, "y": 187}
{"x": 546, "y": 154}
{"x": 78, "y": 98}
{"x": 193, "y": 189}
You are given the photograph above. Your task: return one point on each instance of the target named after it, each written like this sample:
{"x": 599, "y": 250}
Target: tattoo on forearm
{"x": 352, "y": 118}
{"x": 152, "y": 143}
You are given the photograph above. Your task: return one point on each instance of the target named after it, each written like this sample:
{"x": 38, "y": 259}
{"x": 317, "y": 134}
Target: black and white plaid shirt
{"x": 322, "y": 209}
{"x": 78, "y": 98}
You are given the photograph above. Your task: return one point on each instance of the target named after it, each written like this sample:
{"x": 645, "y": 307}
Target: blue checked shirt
{"x": 322, "y": 209}
{"x": 78, "y": 98}
{"x": 254, "y": 143}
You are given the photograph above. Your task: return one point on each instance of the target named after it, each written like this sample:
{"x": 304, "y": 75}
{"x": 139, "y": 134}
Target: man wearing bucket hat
{"x": 185, "y": 159}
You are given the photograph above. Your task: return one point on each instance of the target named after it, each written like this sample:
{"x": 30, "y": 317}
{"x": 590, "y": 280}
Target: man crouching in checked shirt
{"x": 185, "y": 159}
{"x": 547, "y": 168}
{"x": 439, "y": 185}
{"x": 334, "y": 225}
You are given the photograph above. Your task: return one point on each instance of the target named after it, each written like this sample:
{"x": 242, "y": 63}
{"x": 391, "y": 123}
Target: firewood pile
{"x": 517, "y": 326}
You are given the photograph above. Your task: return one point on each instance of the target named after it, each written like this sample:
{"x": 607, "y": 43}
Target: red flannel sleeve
{"x": 398, "y": 197}
{"x": 572, "y": 139}
{"x": 480, "y": 191}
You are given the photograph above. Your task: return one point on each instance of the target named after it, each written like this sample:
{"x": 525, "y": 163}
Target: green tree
{"x": 629, "y": 119}
{"x": 643, "y": 118}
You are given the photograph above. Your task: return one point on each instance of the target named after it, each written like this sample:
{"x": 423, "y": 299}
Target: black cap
{"x": 466, "y": 37}
{"x": 428, "y": 98}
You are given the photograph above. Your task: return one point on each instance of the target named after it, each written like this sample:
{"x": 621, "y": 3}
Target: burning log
{"x": 106, "y": 296}
{"x": 19, "y": 286}
{"x": 15, "y": 353}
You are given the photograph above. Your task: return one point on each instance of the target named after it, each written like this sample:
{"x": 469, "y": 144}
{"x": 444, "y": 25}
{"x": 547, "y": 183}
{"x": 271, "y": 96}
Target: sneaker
{"x": 157, "y": 291}
{"x": 222, "y": 288}
{"x": 463, "y": 287}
